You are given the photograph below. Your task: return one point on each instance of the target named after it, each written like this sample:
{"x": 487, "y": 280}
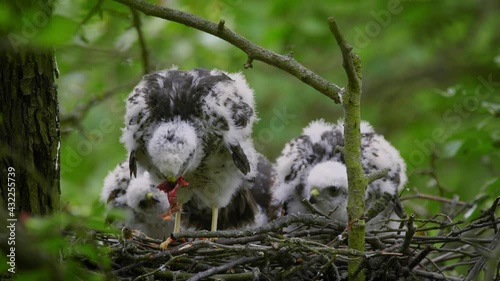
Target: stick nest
{"x": 439, "y": 248}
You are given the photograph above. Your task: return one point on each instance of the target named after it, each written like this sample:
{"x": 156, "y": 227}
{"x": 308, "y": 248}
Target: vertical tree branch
{"x": 136, "y": 21}
{"x": 357, "y": 181}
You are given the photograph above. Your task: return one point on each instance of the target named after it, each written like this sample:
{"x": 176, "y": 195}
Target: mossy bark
{"x": 351, "y": 101}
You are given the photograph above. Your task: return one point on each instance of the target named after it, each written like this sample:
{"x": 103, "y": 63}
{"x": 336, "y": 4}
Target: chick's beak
{"x": 152, "y": 197}
{"x": 314, "y": 194}
{"x": 149, "y": 201}
{"x": 114, "y": 194}
{"x": 172, "y": 181}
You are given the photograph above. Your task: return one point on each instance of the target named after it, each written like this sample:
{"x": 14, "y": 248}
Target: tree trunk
{"x": 29, "y": 119}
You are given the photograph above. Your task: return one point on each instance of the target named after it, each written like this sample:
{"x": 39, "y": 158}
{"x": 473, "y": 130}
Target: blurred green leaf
{"x": 5, "y": 15}
{"x": 59, "y": 30}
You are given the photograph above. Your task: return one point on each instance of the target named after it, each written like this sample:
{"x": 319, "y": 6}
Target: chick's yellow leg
{"x": 177, "y": 228}
{"x": 164, "y": 244}
{"x": 177, "y": 223}
{"x": 215, "y": 216}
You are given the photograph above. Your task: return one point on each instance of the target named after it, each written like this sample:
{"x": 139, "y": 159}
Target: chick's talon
{"x": 164, "y": 244}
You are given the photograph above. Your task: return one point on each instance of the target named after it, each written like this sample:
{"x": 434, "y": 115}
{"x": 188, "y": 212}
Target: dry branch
{"x": 253, "y": 51}
{"x": 136, "y": 21}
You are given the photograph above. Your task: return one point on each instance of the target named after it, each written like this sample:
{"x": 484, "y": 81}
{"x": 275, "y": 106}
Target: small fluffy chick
{"x": 141, "y": 200}
{"x": 309, "y": 168}
{"x": 147, "y": 204}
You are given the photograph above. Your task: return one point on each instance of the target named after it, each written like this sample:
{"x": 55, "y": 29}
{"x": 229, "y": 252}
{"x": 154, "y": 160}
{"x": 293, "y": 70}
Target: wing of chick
{"x": 115, "y": 186}
{"x": 289, "y": 169}
{"x": 147, "y": 204}
{"x": 229, "y": 111}
{"x": 262, "y": 189}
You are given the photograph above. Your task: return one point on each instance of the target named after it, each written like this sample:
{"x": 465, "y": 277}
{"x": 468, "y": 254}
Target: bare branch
{"x": 409, "y": 235}
{"x": 274, "y": 226}
{"x": 376, "y": 175}
{"x": 136, "y": 21}
{"x": 476, "y": 269}
{"x": 434, "y": 198}
{"x": 220, "y": 26}
{"x": 379, "y": 206}
{"x": 222, "y": 268}
{"x": 435, "y": 276}
{"x": 351, "y": 102}
{"x": 253, "y": 51}
{"x": 351, "y": 61}
{"x": 309, "y": 206}
{"x": 340, "y": 149}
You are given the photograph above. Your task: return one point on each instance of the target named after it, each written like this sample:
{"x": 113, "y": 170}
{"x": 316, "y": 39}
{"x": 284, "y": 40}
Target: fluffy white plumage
{"x": 148, "y": 203}
{"x": 172, "y": 146}
{"x": 196, "y": 124}
{"x": 141, "y": 200}
{"x": 310, "y": 168}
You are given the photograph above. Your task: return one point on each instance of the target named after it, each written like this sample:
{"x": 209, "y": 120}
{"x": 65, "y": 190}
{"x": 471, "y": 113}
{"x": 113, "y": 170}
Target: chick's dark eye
{"x": 333, "y": 190}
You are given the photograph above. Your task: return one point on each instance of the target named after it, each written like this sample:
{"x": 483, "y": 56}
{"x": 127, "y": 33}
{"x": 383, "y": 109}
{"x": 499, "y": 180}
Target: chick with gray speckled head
{"x": 310, "y": 168}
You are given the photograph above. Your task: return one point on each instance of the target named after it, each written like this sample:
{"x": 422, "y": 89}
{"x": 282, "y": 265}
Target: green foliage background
{"x": 430, "y": 75}
{"x": 423, "y": 63}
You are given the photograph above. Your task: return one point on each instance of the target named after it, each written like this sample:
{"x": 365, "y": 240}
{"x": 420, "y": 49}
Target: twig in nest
{"x": 378, "y": 207}
{"x": 474, "y": 272}
{"x": 409, "y": 235}
{"x": 222, "y": 268}
{"x": 308, "y": 205}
